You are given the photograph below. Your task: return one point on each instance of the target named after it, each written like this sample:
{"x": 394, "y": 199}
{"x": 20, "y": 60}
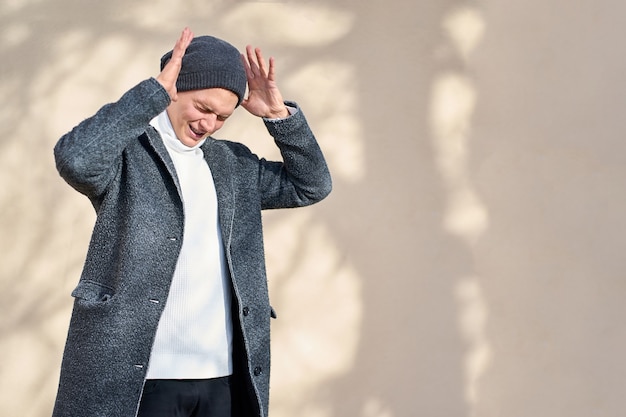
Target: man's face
{"x": 197, "y": 114}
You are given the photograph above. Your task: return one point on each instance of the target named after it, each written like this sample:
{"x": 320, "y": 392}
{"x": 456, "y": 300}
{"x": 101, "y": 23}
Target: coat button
{"x": 257, "y": 371}
{"x": 246, "y": 311}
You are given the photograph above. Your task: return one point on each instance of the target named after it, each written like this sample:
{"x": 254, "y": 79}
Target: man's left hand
{"x": 264, "y": 99}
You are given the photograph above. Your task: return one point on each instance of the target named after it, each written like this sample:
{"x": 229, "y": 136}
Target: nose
{"x": 209, "y": 123}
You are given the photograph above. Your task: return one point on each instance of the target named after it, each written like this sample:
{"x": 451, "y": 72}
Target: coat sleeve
{"x": 89, "y": 155}
{"x": 303, "y": 177}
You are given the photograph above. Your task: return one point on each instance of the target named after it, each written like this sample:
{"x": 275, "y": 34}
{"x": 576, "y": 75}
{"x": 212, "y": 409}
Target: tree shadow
{"x": 409, "y": 357}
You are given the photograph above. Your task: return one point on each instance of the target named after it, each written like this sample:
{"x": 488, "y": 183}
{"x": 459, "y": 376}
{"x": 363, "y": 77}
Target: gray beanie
{"x": 209, "y": 63}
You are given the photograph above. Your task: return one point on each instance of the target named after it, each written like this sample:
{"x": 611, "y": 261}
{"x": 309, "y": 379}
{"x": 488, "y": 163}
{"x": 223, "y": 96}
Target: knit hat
{"x": 210, "y": 63}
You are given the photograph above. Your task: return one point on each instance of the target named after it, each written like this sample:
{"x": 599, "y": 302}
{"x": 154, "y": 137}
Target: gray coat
{"x": 119, "y": 161}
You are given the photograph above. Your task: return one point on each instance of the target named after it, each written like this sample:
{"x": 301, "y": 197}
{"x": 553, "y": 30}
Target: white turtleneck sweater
{"x": 194, "y": 336}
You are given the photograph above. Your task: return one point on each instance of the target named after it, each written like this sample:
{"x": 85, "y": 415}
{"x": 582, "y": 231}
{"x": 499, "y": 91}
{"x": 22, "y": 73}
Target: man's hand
{"x": 264, "y": 98}
{"x": 169, "y": 74}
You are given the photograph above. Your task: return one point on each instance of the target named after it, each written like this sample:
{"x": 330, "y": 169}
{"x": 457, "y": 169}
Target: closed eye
{"x": 206, "y": 110}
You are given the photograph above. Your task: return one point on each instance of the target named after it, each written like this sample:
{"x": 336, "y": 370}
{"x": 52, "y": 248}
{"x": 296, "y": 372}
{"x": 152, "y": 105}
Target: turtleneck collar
{"x": 163, "y": 125}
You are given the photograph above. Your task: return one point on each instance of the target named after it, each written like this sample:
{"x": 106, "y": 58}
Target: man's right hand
{"x": 168, "y": 76}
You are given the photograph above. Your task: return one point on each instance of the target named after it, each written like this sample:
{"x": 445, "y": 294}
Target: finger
{"x": 272, "y": 71}
{"x": 251, "y": 60}
{"x": 246, "y": 66}
{"x": 261, "y": 61}
{"x": 182, "y": 44}
{"x": 189, "y": 37}
{"x": 186, "y": 36}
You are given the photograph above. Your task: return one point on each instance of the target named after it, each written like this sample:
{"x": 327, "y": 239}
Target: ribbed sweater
{"x": 194, "y": 336}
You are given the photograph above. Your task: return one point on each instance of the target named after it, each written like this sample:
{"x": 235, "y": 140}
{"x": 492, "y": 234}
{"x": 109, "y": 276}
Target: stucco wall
{"x": 468, "y": 261}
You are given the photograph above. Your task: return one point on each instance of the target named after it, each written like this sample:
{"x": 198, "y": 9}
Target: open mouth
{"x": 197, "y": 134}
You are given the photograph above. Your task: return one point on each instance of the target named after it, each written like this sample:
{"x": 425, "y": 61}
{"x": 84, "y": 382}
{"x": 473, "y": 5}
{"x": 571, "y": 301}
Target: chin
{"x": 190, "y": 143}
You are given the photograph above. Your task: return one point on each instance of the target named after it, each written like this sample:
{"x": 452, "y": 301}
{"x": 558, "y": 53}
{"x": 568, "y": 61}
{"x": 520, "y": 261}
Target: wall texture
{"x": 468, "y": 261}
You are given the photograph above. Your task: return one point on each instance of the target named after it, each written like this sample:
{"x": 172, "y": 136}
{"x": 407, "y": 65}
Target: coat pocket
{"x": 91, "y": 292}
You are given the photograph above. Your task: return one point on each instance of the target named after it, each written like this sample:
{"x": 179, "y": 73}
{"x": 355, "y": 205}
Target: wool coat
{"x": 120, "y": 163}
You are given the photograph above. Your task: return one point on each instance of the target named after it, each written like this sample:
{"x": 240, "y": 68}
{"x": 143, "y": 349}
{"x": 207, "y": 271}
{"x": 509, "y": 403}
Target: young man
{"x": 171, "y": 313}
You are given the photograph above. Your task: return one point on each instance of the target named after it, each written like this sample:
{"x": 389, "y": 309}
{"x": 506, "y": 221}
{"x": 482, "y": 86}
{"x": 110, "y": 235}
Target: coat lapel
{"x": 159, "y": 147}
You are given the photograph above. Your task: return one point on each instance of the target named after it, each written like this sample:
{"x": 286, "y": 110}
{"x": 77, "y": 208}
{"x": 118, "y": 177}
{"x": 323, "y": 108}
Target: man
{"x": 171, "y": 313}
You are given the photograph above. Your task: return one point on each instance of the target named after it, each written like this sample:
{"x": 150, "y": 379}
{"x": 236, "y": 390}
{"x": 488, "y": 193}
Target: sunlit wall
{"x": 467, "y": 263}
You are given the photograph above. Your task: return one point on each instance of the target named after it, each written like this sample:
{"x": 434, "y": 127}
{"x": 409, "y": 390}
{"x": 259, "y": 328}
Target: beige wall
{"x": 468, "y": 261}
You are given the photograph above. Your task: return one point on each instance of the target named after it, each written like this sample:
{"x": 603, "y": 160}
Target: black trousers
{"x": 188, "y": 398}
